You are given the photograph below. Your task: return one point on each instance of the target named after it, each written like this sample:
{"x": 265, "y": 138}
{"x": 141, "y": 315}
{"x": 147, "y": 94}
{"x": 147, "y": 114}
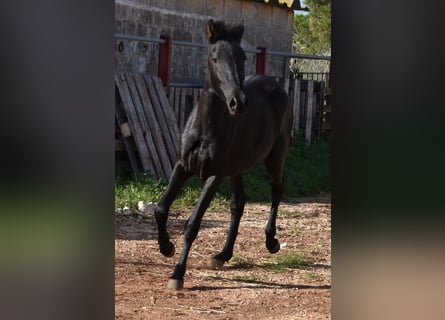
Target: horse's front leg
{"x": 191, "y": 230}
{"x": 237, "y": 209}
{"x": 179, "y": 176}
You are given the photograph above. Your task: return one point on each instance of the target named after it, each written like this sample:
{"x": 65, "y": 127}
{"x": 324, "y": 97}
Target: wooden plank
{"x": 134, "y": 122}
{"x": 290, "y": 96}
{"x": 320, "y": 108}
{"x": 154, "y": 136}
{"x": 127, "y": 140}
{"x": 169, "y": 116}
{"x": 136, "y": 102}
{"x": 310, "y": 108}
{"x": 156, "y": 161}
{"x": 286, "y": 83}
{"x": 167, "y": 124}
{"x": 195, "y": 97}
{"x": 157, "y": 109}
{"x": 182, "y": 108}
{"x": 164, "y": 168}
{"x": 177, "y": 108}
{"x": 171, "y": 95}
{"x": 296, "y": 105}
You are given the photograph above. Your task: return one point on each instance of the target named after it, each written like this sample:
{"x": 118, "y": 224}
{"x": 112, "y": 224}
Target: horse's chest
{"x": 203, "y": 159}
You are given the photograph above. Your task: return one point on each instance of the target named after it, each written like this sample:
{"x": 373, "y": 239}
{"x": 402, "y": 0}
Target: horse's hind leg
{"x": 191, "y": 230}
{"x": 275, "y": 166}
{"x": 272, "y": 243}
{"x": 179, "y": 176}
{"x": 237, "y": 208}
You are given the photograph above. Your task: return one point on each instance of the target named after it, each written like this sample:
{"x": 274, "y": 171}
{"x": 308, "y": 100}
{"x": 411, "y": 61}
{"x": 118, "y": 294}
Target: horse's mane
{"x": 219, "y": 30}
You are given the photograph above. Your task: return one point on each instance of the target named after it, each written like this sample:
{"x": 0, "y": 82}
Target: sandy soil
{"x": 253, "y": 285}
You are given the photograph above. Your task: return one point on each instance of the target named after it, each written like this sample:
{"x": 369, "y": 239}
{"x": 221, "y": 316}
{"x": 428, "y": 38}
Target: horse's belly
{"x": 246, "y": 157}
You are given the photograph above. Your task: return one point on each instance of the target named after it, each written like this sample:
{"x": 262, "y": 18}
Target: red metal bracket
{"x": 165, "y": 60}
{"x": 261, "y": 59}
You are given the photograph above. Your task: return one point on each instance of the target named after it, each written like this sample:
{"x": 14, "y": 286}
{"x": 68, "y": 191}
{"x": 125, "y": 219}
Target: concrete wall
{"x": 185, "y": 20}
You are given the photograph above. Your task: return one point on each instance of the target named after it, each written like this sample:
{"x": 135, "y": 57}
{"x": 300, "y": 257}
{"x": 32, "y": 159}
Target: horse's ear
{"x": 217, "y": 30}
{"x": 210, "y": 30}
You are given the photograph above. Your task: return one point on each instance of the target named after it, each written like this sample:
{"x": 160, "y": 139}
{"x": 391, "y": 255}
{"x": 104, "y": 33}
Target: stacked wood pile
{"x": 145, "y": 114}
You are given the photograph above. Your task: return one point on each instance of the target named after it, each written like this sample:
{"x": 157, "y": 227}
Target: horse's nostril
{"x": 233, "y": 103}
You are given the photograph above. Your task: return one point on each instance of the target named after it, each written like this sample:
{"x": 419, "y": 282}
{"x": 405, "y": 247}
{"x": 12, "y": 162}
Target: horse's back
{"x": 267, "y": 98}
{"x": 267, "y": 85}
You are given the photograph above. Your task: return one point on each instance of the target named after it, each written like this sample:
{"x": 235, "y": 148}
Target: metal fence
{"x": 306, "y": 89}
{"x": 165, "y": 48}
{"x": 317, "y": 76}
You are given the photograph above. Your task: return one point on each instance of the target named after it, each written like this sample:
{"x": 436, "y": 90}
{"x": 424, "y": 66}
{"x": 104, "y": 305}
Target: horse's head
{"x": 226, "y": 64}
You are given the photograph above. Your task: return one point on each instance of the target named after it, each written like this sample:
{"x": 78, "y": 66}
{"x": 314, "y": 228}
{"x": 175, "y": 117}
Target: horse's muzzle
{"x": 237, "y": 103}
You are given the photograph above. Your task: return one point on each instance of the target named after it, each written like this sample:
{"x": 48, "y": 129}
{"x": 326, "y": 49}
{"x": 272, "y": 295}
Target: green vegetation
{"x": 130, "y": 190}
{"x": 308, "y": 169}
{"x": 307, "y": 172}
{"x": 287, "y": 261}
{"x": 246, "y": 279}
{"x": 312, "y": 35}
{"x": 312, "y": 276}
{"x": 236, "y": 258}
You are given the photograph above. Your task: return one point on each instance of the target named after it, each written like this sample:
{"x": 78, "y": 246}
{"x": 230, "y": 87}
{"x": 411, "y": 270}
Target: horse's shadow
{"x": 137, "y": 226}
{"x": 249, "y": 284}
{"x": 252, "y": 283}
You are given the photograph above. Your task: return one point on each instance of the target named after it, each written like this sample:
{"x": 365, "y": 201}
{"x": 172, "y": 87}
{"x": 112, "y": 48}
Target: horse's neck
{"x": 211, "y": 112}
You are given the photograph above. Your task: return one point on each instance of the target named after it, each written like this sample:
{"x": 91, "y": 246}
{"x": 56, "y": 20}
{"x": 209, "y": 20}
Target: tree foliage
{"x": 312, "y": 35}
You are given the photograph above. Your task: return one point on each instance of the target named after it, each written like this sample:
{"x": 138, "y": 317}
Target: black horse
{"x": 232, "y": 128}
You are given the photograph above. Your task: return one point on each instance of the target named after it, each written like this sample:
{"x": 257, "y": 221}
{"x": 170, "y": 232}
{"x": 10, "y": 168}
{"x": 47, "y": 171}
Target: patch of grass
{"x": 249, "y": 279}
{"x": 287, "y": 261}
{"x": 312, "y": 276}
{"x": 291, "y": 213}
{"x": 217, "y": 278}
{"x": 236, "y": 258}
{"x": 308, "y": 169}
{"x": 245, "y": 279}
{"x": 307, "y": 172}
{"x": 130, "y": 190}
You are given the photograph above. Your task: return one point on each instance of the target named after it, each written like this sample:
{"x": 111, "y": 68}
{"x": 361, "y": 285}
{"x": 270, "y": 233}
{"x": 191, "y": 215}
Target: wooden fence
{"x": 307, "y": 99}
{"x": 182, "y": 101}
{"x": 150, "y": 118}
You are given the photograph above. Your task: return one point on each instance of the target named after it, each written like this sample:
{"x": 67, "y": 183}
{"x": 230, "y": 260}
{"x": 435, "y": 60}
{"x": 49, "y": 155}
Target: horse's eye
{"x": 213, "y": 55}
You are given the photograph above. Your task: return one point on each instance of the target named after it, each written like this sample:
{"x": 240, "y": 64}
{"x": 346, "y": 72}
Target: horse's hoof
{"x": 175, "y": 284}
{"x": 216, "y": 264}
{"x": 168, "y": 249}
{"x": 273, "y": 247}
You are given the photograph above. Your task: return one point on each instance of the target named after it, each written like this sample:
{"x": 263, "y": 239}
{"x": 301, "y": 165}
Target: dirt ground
{"x": 253, "y": 285}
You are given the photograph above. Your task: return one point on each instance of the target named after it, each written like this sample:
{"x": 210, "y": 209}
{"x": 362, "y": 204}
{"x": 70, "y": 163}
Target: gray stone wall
{"x": 185, "y": 20}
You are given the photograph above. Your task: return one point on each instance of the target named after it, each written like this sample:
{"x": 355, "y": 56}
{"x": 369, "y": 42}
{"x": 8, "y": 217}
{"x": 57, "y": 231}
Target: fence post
{"x": 261, "y": 59}
{"x": 165, "y": 60}
{"x": 296, "y": 105}
{"x": 310, "y": 110}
